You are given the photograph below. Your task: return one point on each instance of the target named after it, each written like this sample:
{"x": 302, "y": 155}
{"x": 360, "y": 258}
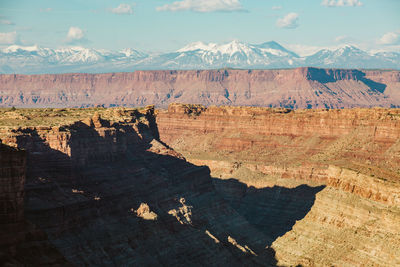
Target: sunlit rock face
{"x": 215, "y": 186}
{"x": 263, "y": 158}
{"x": 289, "y": 88}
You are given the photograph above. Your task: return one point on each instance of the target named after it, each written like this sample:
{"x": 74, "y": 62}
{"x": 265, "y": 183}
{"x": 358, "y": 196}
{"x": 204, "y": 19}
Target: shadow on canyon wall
{"x": 85, "y": 203}
{"x": 330, "y": 76}
{"x": 272, "y": 210}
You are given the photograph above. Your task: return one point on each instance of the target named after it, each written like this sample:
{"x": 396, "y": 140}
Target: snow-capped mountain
{"x": 234, "y": 54}
{"x": 199, "y": 55}
{"x": 352, "y": 57}
{"x": 34, "y": 59}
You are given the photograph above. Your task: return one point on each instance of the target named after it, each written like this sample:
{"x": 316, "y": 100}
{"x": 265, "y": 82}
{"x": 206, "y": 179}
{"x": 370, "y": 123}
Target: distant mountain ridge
{"x": 198, "y": 55}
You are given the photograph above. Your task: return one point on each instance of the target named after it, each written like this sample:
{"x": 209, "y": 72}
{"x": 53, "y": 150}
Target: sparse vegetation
{"x": 24, "y": 117}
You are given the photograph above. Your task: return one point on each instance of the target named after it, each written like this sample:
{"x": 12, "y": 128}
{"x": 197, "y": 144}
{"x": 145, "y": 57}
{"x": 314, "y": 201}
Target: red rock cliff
{"x": 353, "y": 153}
{"x": 295, "y": 88}
{"x": 107, "y": 192}
{"x": 293, "y": 144}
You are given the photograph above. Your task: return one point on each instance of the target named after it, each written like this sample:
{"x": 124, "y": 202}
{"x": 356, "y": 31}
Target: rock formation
{"x": 12, "y": 175}
{"x": 354, "y": 154}
{"x": 289, "y": 187}
{"x": 144, "y": 212}
{"x": 83, "y": 182}
{"x": 291, "y": 88}
{"x": 21, "y": 242}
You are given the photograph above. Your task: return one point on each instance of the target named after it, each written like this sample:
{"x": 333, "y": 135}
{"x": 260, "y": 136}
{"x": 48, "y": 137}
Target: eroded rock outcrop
{"x": 144, "y": 212}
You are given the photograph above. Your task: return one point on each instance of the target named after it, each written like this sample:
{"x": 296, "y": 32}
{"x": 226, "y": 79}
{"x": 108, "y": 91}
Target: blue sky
{"x": 163, "y": 25}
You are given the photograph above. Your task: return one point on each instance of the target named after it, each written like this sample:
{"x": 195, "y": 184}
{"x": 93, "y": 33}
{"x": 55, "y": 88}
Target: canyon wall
{"x": 286, "y": 187}
{"x": 353, "y": 153}
{"x": 22, "y": 243}
{"x": 291, "y": 88}
{"x": 283, "y": 142}
{"x": 106, "y": 192}
{"x": 12, "y": 175}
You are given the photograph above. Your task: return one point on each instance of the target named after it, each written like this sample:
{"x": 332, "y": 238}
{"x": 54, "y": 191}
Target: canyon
{"x": 289, "y": 88}
{"x": 197, "y": 184}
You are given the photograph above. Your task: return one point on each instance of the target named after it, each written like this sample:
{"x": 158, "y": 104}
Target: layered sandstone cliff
{"x": 106, "y": 192}
{"x": 129, "y": 186}
{"x": 353, "y": 154}
{"x": 283, "y": 142}
{"x": 292, "y": 88}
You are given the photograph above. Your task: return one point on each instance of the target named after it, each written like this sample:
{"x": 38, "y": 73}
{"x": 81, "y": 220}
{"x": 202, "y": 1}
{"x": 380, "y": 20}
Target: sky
{"x": 303, "y": 26}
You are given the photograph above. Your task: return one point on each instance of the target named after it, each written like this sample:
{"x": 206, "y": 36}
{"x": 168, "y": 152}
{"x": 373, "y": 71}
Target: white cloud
{"x": 8, "y": 38}
{"x": 290, "y": 21}
{"x": 6, "y": 22}
{"x": 203, "y": 6}
{"x": 338, "y": 3}
{"x": 75, "y": 35}
{"x": 122, "y": 9}
{"x": 276, "y": 7}
{"x": 389, "y": 38}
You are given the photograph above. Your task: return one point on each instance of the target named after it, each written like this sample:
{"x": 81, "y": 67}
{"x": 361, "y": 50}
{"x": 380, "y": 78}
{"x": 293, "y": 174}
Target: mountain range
{"x": 199, "y": 55}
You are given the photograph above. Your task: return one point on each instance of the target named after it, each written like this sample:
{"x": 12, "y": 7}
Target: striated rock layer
{"x": 286, "y": 143}
{"x": 106, "y": 192}
{"x": 291, "y": 88}
{"x": 355, "y": 153}
{"x": 281, "y": 187}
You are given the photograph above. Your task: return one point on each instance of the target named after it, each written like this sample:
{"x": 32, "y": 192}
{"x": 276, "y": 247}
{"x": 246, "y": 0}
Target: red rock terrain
{"x": 129, "y": 187}
{"x": 292, "y": 88}
{"x": 107, "y": 193}
{"x": 355, "y": 153}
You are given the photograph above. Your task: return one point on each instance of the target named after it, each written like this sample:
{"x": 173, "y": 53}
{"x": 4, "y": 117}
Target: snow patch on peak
{"x": 228, "y": 48}
{"x": 128, "y": 52}
{"x": 132, "y": 53}
{"x": 345, "y": 48}
{"x": 84, "y": 55}
{"x": 197, "y": 46}
{"x": 234, "y": 47}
